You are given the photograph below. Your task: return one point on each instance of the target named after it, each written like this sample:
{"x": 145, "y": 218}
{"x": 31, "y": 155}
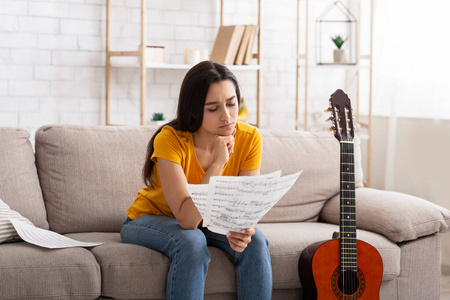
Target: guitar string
{"x": 349, "y": 273}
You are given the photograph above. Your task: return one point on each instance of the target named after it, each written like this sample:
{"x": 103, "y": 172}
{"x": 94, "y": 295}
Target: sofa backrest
{"x": 19, "y": 183}
{"x": 90, "y": 175}
{"x": 318, "y": 155}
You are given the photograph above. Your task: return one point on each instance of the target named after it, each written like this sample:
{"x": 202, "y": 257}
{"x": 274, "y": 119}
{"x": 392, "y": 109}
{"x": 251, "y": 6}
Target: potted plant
{"x": 157, "y": 119}
{"x": 338, "y": 54}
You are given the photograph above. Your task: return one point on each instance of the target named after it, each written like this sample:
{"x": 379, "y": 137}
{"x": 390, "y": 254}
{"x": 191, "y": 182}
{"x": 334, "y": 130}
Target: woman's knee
{"x": 193, "y": 243}
{"x": 259, "y": 243}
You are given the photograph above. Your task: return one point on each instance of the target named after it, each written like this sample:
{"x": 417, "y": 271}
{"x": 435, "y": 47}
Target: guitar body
{"x": 320, "y": 274}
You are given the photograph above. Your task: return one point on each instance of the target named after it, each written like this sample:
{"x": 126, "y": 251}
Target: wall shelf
{"x": 183, "y": 66}
{"x": 303, "y": 63}
{"x": 143, "y": 66}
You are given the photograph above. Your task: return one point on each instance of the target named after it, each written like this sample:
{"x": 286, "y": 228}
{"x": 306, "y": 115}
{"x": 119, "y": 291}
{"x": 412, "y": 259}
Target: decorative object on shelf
{"x": 243, "y": 111}
{"x": 249, "y": 52}
{"x": 157, "y": 119}
{"x": 227, "y": 44}
{"x": 338, "y": 54}
{"x": 234, "y": 44}
{"x": 336, "y": 22}
{"x": 194, "y": 56}
{"x": 155, "y": 54}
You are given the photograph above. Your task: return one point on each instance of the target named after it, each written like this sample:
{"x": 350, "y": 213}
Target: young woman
{"x": 204, "y": 140}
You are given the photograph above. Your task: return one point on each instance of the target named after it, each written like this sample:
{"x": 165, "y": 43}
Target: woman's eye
{"x": 212, "y": 109}
{"x": 232, "y": 104}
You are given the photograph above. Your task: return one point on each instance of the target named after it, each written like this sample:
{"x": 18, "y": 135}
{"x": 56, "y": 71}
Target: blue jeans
{"x": 189, "y": 255}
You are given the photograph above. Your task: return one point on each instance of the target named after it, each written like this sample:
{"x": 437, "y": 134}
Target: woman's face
{"x": 221, "y": 109}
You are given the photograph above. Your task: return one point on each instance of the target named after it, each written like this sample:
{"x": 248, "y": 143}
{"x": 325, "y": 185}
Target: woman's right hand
{"x": 223, "y": 147}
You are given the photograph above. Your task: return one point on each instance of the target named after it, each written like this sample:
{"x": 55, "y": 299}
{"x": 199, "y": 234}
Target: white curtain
{"x": 411, "y": 59}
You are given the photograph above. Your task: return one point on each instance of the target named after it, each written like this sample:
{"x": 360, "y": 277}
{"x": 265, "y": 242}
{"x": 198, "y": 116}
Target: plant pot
{"x": 156, "y": 123}
{"x": 338, "y": 56}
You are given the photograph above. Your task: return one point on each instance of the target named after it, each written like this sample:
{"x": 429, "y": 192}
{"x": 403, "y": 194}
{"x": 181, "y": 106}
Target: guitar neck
{"x": 348, "y": 208}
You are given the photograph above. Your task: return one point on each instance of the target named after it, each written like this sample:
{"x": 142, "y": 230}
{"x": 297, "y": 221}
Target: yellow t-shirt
{"x": 178, "y": 146}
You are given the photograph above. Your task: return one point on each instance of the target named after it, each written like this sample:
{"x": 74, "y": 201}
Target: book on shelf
{"x": 227, "y": 44}
{"x": 249, "y": 52}
{"x": 243, "y": 45}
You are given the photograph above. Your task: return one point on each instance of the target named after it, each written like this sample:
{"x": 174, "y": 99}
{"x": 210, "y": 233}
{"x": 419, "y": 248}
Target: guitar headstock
{"x": 341, "y": 116}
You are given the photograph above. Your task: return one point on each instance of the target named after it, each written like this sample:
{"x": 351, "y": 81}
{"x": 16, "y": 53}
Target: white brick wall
{"x": 52, "y": 56}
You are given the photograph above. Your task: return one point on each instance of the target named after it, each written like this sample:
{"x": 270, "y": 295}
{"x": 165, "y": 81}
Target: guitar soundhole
{"x": 348, "y": 282}
{"x": 349, "y": 285}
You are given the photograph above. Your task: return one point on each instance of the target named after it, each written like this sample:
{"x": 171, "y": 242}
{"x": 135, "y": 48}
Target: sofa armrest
{"x": 397, "y": 216}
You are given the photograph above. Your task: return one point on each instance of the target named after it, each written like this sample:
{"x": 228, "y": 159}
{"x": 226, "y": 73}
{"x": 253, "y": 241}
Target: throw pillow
{"x": 399, "y": 217}
{"x": 7, "y": 231}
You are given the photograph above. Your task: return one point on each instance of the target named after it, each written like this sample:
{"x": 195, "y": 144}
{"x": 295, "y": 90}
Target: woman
{"x": 204, "y": 140}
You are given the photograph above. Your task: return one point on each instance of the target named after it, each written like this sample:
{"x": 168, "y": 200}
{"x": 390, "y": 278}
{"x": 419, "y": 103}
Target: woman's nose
{"x": 225, "y": 114}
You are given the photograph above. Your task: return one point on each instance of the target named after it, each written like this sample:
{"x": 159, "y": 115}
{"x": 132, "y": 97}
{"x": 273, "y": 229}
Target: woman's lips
{"x": 227, "y": 126}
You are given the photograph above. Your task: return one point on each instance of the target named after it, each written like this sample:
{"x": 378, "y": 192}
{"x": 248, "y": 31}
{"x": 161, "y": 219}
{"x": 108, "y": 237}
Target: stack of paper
{"x": 46, "y": 238}
{"x": 233, "y": 203}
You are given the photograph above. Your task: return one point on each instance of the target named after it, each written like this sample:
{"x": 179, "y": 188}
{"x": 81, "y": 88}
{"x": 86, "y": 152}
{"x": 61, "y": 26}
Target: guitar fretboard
{"x": 348, "y": 209}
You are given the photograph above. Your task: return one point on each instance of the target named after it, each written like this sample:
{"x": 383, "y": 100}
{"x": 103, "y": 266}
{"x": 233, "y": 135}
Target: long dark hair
{"x": 191, "y": 104}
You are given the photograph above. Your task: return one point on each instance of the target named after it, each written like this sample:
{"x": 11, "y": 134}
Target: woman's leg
{"x": 252, "y": 266}
{"x": 186, "y": 249}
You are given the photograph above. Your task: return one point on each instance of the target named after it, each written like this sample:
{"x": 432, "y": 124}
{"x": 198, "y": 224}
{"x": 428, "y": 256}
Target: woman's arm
{"x": 249, "y": 172}
{"x": 173, "y": 183}
{"x": 223, "y": 147}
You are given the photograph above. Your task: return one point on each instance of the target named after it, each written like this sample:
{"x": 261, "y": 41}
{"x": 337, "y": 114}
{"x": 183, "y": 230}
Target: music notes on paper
{"x": 233, "y": 203}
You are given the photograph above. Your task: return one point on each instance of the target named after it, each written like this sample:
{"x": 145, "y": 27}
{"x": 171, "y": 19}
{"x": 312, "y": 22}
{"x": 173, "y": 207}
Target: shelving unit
{"x": 356, "y": 68}
{"x": 140, "y": 54}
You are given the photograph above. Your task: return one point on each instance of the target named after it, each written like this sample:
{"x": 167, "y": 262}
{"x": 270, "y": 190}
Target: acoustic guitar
{"x": 344, "y": 267}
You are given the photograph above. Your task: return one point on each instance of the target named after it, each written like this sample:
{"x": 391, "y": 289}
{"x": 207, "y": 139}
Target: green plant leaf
{"x": 338, "y": 41}
{"x": 158, "y": 117}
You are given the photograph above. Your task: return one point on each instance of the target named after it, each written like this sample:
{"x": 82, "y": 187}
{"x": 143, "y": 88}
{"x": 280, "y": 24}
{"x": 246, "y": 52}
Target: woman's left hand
{"x": 239, "y": 240}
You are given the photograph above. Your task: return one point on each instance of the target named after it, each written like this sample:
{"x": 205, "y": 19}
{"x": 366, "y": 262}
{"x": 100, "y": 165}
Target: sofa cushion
{"x": 318, "y": 154}
{"x": 140, "y": 273}
{"x": 90, "y": 175}
{"x": 136, "y": 272}
{"x": 7, "y": 231}
{"x": 19, "y": 183}
{"x": 31, "y": 272}
{"x": 397, "y": 216}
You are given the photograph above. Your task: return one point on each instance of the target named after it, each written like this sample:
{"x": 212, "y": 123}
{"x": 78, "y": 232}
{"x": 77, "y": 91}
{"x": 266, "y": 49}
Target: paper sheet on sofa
{"x": 45, "y": 238}
{"x": 232, "y": 203}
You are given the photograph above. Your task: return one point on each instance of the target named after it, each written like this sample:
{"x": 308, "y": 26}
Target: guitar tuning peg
{"x": 329, "y": 109}
{"x": 331, "y": 118}
{"x": 332, "y": 128}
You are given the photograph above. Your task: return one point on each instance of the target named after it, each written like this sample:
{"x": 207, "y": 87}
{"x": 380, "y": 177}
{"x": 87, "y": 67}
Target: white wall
{"x": 52, "y": 56}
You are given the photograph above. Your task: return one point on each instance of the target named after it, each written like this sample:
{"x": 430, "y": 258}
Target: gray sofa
{"x": 80, "y": 180}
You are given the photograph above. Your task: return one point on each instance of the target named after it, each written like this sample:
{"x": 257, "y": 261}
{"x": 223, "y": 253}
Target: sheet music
{"x": 45, "y": 238}
{"x": 232, "y": 203}
{"x": 199, "y": 192}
